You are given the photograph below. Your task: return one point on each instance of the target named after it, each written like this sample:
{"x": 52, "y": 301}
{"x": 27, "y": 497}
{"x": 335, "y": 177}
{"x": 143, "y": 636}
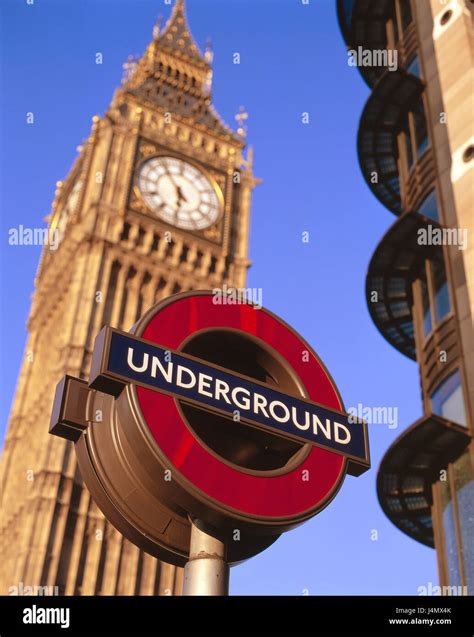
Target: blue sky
{"x": 293, "y": 60}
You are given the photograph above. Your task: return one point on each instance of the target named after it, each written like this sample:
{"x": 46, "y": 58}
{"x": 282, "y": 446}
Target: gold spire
{"x": 172, "y": 66}
{"x": 177, "y": 36}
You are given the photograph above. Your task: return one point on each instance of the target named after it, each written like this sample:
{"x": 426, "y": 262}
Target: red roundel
{"x": 306, "y": 487}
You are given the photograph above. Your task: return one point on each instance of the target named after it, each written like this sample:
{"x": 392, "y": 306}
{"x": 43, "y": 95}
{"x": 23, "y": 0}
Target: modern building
{"x": 157, "y": 202}
{"x": 416, "y": 152}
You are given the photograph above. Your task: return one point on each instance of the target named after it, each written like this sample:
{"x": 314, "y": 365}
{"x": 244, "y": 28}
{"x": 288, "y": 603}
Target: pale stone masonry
{"x": 115, "y": 259}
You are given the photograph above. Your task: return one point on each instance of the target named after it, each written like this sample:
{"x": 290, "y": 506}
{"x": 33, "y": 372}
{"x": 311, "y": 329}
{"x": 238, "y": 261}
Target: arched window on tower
{"x": 140, "y": 237}
{"x": 125, "y": 232}
{"x": 156, "y": 242}
{"x": 183, "y": 257}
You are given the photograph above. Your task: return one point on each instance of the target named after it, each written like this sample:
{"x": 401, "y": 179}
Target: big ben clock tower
{"x": 157, "y": 202}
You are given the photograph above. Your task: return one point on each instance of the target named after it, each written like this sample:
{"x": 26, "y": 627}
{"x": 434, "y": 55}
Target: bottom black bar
{"x": 448, "y": 615}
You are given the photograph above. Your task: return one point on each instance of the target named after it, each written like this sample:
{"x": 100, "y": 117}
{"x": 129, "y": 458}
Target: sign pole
{"x": 206, "y": 572}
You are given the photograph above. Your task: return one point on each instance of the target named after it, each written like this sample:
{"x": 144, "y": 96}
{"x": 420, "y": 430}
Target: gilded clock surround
{"x": 217, "y": 181}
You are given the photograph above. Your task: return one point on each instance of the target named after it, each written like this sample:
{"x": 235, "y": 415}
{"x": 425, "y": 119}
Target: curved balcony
{"x": 410, "y": 467}
{"x": 395, "y": 264}
{"x": 382, "y": 119}
{"x": 363, "y": 23}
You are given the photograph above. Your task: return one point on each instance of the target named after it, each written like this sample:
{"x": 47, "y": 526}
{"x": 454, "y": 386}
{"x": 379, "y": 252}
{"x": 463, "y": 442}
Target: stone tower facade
{"x": 157, "y": 202}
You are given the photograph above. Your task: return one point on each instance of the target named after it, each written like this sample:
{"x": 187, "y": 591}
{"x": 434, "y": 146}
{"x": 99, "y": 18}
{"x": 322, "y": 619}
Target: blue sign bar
{"x": 130, "y": 359}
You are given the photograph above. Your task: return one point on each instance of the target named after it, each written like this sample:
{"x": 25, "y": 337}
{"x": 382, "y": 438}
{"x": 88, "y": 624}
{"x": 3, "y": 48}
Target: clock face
{"x": 68, "y": 208}
{"x": 179, "y": 193}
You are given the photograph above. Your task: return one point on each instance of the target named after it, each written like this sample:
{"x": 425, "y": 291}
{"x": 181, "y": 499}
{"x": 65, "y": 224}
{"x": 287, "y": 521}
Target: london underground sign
{"x": 221, "y": 413}
{"x": 122, "y": 359}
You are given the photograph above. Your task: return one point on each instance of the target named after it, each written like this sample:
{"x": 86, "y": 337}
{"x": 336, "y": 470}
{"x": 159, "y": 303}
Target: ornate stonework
{"x": 115, "y": 259}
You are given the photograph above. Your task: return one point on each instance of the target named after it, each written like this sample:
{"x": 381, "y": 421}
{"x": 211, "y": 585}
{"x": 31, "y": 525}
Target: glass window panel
{"x": 387, "y": 165}
{"x": 394, "y": 183}
{"x": 409, "y": 153}
{"x": 381, "y": 313}
{"x": 442, "y": 304}
{"x": 396, "y": 287}
{"x": 427, "y": 323}
{"x": 407, "y": 329}
{"x": 390, "y": 482}
{"x": 421, "y": 133}
{"x": 450, "y": 536}
{"x": 393, "y": 333}
{"x": 405, "y": 13}
{"x": 414, "y": 67}
{"x": 429, "y": 206}
{"x": 413, "y": 483}
{"x": 399, "y": 309}
{"x": 377, "y": 283}
{"x": 370, "y": 165}
{"x": 447, "y": 401}
{"x": 410, "y": 526}
{"x": 347, "y": 9}
{"x": 384, "y": 141}
{"x": 405, "y": 129}
{"x": 394, "y": 505}
{"x": 464, "y": 485}
{"x": 415, "y": 503}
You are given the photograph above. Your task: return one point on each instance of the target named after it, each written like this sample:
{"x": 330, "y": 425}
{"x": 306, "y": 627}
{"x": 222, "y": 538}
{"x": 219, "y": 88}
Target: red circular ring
{"x": 286, "y": 495}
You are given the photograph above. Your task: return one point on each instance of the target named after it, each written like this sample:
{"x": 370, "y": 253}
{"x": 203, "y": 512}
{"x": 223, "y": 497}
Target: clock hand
{"x": 171, "y": 178}
{"x": 181, "y": 196}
